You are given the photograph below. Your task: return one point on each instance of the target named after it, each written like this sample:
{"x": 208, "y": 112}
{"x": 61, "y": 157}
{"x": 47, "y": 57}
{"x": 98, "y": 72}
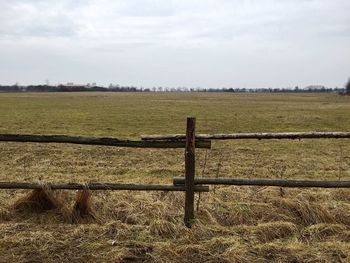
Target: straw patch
{"x": 323, "y": 232}
{"x": 304, "y": 212}
{"x": 137, "y": 252}
{"x": 279, "y": 252}
{"x": 163, "y": 229}
{"x": 341, "y": 213}
{"x": 4, "y": 215}
{"x": 266, "y": 232}
{"x": 221, "y": 244}
{"x": 197, "y": 253}
{"x": 247, "y": 213}
{"x": 124, "y": 213}
{"x": 342, "y": 195}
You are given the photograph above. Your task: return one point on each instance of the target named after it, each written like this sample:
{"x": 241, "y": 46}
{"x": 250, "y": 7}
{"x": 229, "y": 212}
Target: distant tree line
{"x": 117, "y": 88}
{"x": 64, "y": 88}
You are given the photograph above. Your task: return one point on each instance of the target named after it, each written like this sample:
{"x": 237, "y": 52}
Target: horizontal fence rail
{"x": 259, "y": 136}
{"x": 266, "y": 182}
{"x": 99, "y": 186}
{"x": 98, "y": 141}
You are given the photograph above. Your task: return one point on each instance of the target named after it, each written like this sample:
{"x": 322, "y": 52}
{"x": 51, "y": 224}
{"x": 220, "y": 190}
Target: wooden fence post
{"x": 189, "y": 171}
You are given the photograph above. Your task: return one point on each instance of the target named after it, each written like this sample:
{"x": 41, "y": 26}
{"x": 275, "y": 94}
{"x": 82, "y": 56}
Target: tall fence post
{"x": 189, "y": 171}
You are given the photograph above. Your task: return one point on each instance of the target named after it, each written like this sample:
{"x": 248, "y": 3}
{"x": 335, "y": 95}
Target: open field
{"x": 234, "y": 224}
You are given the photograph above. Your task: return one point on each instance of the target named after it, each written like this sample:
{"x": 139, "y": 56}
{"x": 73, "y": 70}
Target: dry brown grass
{"x": 234, "y": 224}
{"x": 148, "y": 227}
{"x": 38, "y": 200}
{"x": 82, "y": 207}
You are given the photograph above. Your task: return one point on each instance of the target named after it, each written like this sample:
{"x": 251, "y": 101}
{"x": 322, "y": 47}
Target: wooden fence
{"x": 190, "y": 182}
{"x": 189, "y": 141}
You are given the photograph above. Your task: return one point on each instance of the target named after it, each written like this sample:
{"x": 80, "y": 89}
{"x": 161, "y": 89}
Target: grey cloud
{"x": 153, "y": 39}
{"x": 37, "y": 19}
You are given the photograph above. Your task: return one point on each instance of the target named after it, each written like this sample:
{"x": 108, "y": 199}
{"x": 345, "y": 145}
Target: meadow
{"x": 233, "y": 224}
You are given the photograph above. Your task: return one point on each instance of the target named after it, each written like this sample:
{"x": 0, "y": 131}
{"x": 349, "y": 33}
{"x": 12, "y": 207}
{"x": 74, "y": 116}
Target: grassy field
{"x": 234, "y": 224}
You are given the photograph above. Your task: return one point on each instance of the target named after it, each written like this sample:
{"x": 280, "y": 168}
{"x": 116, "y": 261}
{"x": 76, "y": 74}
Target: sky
{"x": 153, "y": 43}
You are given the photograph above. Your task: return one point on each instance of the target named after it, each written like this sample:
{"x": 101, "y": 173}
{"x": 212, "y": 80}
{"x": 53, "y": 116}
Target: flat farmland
{"x": 233, "y": 224}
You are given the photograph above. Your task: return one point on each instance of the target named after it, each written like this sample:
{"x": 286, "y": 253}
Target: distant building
{"x": 71, "y": 85}
{"x": 92, "y": 85}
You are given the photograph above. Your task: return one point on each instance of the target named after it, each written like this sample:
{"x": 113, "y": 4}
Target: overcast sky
{"x": 206, "y": 43}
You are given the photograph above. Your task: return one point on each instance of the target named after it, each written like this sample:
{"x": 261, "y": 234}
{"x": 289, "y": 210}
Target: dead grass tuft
{"x": 279, "y": 252}
{"x": 246, "y": 213}
{"x": 197, "y": 253}
{"x": 342, "y": 213}
{"x": 82, "y": 207}
{"x": 342, "y": 195}
{"x": 239, "y": 253}
{"x": 124, "y": 213}
{"x": 163, "y": 229}
{"x": 323, "y": 232}
{"x": 304, "y": 212}
{"x": 137, "y": 252}
{"x": 267, "y": 232}
{"x": 4, "y": 215}
{"x": 221, "y": 244}
{"x": 39, "y": 200}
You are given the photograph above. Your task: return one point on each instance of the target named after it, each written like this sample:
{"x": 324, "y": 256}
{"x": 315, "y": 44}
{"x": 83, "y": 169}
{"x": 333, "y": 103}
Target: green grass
{"x": 128, "y": 115}
{"x": 131, "y": 114}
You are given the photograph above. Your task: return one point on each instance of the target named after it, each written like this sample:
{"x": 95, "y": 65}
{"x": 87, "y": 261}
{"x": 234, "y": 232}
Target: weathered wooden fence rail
{"x": 100, "y": 186}
{"x": 266, "y": 182}
{"x": 259, "y": 136}
{"x": 189, "y": 141}
{"x": 98, "y": 141}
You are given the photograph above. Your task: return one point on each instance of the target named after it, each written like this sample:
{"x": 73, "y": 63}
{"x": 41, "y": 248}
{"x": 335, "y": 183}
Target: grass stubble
{"x": 233, "y": 224}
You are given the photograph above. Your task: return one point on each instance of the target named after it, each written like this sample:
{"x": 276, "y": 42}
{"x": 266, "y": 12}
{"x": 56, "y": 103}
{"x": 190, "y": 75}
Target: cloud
{"x": 154, "y": 21}
{"x": 270, "y": 33}
{"x": 21, "y": 19}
